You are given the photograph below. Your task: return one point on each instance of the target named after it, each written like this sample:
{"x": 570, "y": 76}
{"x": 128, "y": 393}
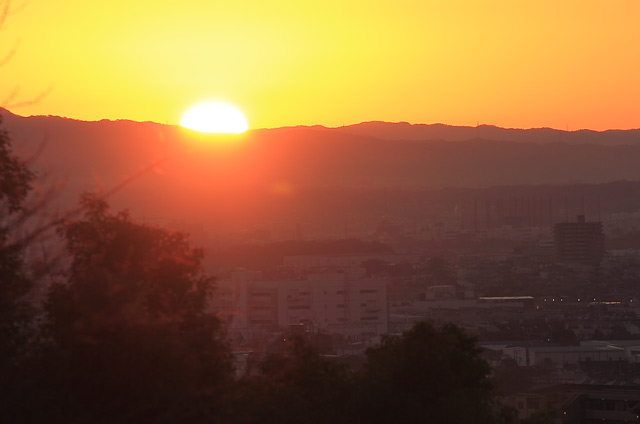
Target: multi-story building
{"x": 579, "y": 242}
{"x": 342, "y": 302}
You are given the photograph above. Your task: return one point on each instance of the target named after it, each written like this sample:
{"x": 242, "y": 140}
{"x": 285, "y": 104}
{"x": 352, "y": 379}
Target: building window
{"x": 533, "y": 403}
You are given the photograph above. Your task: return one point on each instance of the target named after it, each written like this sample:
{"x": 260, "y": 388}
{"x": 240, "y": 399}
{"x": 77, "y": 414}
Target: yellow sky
{"x": 561, "y": 64}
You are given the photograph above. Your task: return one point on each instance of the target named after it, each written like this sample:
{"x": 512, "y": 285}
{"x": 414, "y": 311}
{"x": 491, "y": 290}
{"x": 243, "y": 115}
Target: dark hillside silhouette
{"x": 363, "y": 155}
{"x": 406, "y": 131}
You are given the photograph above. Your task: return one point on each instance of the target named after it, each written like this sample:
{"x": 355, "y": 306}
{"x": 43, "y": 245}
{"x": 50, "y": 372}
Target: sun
{"x": 214, "y": 117}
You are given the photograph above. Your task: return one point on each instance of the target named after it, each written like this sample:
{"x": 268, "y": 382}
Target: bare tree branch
{"x": 4, "y": 11}
{"x": 37, "y": 99}
{"x": 12, "y": 95}
{"x": 10, "y": 54}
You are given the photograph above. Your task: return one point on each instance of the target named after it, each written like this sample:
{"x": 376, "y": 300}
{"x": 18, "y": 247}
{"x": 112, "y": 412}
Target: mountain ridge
{"x": 89, "y": 155}
{"x": 403, "y": 130}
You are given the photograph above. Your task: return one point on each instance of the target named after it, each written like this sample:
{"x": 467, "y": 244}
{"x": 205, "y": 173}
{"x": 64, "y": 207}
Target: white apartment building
{"x": 342, "y": 302}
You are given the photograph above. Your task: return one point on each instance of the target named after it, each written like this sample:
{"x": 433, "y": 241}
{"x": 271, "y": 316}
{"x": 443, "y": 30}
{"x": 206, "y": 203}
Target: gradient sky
{"x": 562, "y": 64}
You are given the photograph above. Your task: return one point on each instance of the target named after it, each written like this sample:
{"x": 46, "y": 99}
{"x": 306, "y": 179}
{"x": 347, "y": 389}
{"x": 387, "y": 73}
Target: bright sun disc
{"x": 214, "y": 117}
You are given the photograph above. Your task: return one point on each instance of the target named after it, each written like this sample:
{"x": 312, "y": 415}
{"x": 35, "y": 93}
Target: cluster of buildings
{"x": 562, "y": 356}
{"x": 582, "y": 404}
{"x": 333, "y": 295}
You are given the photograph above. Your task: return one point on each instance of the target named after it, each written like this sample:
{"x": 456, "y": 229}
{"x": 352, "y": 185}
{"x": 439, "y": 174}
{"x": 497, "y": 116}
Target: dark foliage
{"x": 15, "y": 185}
{"x": 427, "y": 374}
{"x": 15, "y": 176}
{"x": 296, "y": 386}
{"x": 128, "y": 337}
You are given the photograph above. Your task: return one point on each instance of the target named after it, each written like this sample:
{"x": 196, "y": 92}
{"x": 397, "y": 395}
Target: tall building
{"x": 579, "y": 242}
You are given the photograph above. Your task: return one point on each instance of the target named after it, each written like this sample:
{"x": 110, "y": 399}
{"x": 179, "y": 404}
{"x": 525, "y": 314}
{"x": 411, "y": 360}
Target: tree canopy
{"x": 296, "y": 385}
{"x": 129, "y": 336}
{"x": 15, "y": 184}
{"x": 427, "y": 373}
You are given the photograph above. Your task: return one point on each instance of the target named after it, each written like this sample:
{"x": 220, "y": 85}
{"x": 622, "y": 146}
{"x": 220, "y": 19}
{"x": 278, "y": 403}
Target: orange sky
{"x": 561, "y": 64}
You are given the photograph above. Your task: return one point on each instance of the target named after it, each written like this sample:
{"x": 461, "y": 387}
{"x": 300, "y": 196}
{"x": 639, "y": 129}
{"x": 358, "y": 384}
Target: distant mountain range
{"x": 205, "y": 170}
{"x": 441, "y": 132}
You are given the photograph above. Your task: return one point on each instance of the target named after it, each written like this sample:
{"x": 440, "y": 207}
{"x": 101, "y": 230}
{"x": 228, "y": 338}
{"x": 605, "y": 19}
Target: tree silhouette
{"x": 427, "y": 373}
{"x": 15, "y": 314}
{"x": 130, "y": 338}
{"x": 296, "y": 385}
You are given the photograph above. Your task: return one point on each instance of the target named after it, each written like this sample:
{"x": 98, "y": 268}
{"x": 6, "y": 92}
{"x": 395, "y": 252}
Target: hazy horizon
{"x": 371, "y": 121}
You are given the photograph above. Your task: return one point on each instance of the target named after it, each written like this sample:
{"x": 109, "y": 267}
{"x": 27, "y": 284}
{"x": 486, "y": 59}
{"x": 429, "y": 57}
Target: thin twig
{"x": 37, "y": 99}
{"x": 10, "y": 54}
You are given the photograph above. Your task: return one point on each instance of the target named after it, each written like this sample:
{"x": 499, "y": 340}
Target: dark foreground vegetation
{"x": 122, "y": 335}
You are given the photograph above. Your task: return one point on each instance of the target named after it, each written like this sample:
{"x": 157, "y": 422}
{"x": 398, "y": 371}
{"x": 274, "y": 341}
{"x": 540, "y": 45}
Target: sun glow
{"x": 214, "y": 117}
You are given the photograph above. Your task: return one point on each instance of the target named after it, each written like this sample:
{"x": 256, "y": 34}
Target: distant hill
{"x": 406, "y": 131}
{"x": 206, "y": 172}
